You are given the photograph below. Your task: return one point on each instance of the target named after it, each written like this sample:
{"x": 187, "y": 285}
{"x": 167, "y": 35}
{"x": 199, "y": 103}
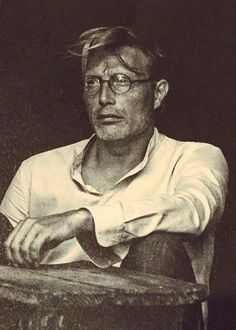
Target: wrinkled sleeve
{"x": 15, "y": 203}
{"x": 200, "y": 177}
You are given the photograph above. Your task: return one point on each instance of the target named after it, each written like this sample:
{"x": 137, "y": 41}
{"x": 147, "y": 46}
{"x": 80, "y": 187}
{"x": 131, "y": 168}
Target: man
{"x": 129, "y": 195}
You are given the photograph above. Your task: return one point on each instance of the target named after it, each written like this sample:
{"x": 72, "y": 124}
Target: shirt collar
{"x": 76, "y": 166}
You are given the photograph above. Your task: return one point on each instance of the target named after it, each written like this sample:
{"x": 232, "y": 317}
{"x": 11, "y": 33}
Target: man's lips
{"x": 109, "y": 118}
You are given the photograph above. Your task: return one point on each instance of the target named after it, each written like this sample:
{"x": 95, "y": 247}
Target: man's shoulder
{"x": 187, "y": 152}
{"x": 188, "y": 146}
{"x": 62, "y": 154}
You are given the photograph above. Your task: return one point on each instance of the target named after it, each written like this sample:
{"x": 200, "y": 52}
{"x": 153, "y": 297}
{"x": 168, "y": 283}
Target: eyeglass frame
{"x": 101, "y": 81}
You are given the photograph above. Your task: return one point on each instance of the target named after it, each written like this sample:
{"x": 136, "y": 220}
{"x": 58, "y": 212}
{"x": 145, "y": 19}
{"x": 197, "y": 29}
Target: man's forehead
{"x": 130, "y": 58}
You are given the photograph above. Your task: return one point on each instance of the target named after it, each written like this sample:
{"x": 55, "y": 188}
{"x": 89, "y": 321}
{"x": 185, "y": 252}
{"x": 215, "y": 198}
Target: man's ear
{"x": 161, "y": 89}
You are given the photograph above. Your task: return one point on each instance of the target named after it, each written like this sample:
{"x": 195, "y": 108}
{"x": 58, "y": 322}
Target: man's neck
{"x": 106, "y": 163}
{"x": 129, "y": 153}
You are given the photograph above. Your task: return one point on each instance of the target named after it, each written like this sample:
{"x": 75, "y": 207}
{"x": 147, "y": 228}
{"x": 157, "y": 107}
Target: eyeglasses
{"x": 119, "y": 83}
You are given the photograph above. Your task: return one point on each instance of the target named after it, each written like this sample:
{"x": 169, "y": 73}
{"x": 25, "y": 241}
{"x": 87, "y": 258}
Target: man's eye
{"x": 93, "y": 82}
{"x": 120, "y": 78}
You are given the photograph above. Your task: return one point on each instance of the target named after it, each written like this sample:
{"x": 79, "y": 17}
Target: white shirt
{"x": 178, "y": 187}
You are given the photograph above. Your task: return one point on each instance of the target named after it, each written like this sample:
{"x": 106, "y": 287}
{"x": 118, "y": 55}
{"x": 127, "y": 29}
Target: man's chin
{"x": 110, "y": 135}
{"x": 118, "y": 135}
{"x": 111, "y": 138}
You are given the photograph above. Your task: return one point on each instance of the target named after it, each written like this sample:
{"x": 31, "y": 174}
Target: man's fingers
{"x": 14, "y": 242}
{"x": 36, "y": 241}
{"x": 13, "y": 233}
{"x": 10, "y": 239}
{"x": 36, "y": 247}
{"x": 32, "y": 237}
{"x": 14, "y": 257}
{"x": 26, "y": 244}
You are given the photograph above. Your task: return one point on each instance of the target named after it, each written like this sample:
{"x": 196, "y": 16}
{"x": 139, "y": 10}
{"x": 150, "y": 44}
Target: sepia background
{"x": 40, "y": 91}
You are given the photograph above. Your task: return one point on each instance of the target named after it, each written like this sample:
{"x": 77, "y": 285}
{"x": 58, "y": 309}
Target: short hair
{"x": 110, "y": 39}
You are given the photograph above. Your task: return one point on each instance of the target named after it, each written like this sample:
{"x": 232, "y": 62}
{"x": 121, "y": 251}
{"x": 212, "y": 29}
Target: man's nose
{"x": 106, "y": 95}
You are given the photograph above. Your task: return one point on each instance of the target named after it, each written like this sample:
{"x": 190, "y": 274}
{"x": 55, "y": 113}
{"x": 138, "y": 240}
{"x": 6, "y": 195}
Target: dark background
{"x": 41, "y": 107}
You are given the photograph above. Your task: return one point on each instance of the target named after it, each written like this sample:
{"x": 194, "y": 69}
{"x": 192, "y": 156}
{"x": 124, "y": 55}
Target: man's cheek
{"x": 90, "y": 111}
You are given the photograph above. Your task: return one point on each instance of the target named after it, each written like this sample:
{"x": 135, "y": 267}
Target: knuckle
{"x": 34, "y": 255}
{"x": 14, "y": 248}
{"x": 23, "y": 250}
{"x": 34, "y": 246}
{"x": 33, "y": 249}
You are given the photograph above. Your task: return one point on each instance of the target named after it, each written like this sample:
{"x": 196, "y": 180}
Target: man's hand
{"x": 32, "y": 237}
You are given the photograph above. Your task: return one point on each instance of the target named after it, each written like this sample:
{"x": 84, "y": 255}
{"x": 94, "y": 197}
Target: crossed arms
{"x": 198, "y": 199}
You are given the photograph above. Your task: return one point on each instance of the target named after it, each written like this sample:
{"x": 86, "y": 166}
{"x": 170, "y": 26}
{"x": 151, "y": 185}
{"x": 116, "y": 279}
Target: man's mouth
{"x": 109, "y": 118}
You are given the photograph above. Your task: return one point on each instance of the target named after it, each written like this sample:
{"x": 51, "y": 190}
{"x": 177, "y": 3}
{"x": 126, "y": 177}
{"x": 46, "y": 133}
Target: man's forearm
{"x": 32, "y": 237}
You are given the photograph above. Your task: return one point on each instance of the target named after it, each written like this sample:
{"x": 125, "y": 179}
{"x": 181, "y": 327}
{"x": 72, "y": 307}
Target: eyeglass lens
{"x": 119, "y": 83}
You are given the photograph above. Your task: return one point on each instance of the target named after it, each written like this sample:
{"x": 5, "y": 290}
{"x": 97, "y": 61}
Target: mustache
{"x": 108, "y": 112}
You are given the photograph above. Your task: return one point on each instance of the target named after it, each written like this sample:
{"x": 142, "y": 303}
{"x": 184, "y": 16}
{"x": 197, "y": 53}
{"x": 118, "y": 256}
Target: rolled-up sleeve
{"x": 200, "y": 179}
{"x": 15, "y": 203}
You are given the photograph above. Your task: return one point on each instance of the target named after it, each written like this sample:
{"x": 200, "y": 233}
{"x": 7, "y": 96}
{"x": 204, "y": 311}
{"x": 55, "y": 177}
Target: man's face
{"x": 120, "y": 116}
